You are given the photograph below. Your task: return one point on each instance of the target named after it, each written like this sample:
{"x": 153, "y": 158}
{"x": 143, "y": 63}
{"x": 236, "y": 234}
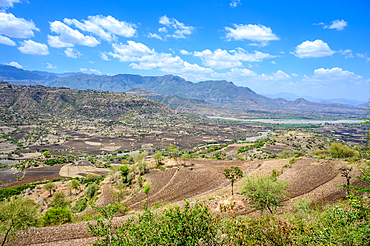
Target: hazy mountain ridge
{"x": 222, "y": 93}
{"x": 179, "y": 103}
{"x": 292, "y": 97}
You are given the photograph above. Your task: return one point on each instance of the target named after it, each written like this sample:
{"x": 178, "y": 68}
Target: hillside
{"x": 27, "y": 102}
{"x": 180, "y": 104}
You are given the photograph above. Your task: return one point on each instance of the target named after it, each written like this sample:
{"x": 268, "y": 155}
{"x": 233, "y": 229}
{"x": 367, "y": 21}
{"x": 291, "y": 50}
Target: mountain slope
{"x": 27, "y": 102}
{"x": 178, "y": 103}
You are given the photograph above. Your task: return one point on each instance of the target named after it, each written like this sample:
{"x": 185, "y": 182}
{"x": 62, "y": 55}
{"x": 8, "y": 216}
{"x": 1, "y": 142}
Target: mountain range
{"x": 213, "y": 96}
{"x": 292, "y": 97}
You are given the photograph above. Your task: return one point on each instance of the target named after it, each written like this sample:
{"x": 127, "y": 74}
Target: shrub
{"x": 264, "y": 192}
{"x": 57, "y": 216}
{"x": 91, "y": 190}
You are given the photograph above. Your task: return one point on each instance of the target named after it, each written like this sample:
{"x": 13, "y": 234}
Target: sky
{"x": 313, "y": 48}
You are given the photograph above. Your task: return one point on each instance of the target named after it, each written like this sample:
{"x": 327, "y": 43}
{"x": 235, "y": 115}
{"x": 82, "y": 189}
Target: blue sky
{"x": 313, "y": 48}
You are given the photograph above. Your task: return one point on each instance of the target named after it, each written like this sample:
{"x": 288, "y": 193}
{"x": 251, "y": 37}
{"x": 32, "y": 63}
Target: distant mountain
{"x": 57, "y": 75}
{"x": 292, "y": 96}
{"x": 223, "y": 94}
{"x": 179, "y": 103}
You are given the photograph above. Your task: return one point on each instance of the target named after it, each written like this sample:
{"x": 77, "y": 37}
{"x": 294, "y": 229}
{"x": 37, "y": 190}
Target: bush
{"x": 264, "y": 192}
{"x": 188, "y": 226}
{"x": 59, "y": 200}
{"x": 57, "y": 216}
{"x": 80, "y": 205}
{"x": 91, "y": 190}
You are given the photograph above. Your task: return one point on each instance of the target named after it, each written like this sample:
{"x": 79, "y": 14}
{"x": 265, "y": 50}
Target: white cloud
{"x": 6, "y": 41}
{"x": 14, "y": 27}
{"x": 32, "y": 48}
{"x": 273, "y": 62}
{"x": 83, "y": 69}
{"x": 106, "y": 27}
{"x": 145, "y": 58}
{"x": 104, "y": 56}
{"x": 294, "y": 75}
{"x": 255, "y": 33}
{"x": 95, "y": 71}
{"x": 162, "y": 29}
{"x": 50, "y": 66}
{"x": 347, "y": 53}
{"x": 131, "y": 52}
{"x": 235, "y": 3}
{"x": 69, "y": 37}
{"x": 8, "y": 3}
{"x": 361, "y": 55}
{"x": 154, "y": 35}
{"x": 181, "y": 30}
{"x": 242, "y": 75}
{"x": 221, "y": 59}
{"x": 185, "y": 52}
{"x": 72, "y": 53}
{"x": 317, "y": 48}
{"x": 15, "y": 64}
{"x": 337, "y": 24}
{"x": 333, "y": 74}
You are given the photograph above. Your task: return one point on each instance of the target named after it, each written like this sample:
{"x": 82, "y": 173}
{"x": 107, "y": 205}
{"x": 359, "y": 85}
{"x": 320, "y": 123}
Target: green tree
{"x": 158, "y": 157}
{"x": 124, "y": 171}
{"x": 75, "y": 184}
{"x": 233, "y": 174}
{"x": 174, "y": 151}
{"x": 49, "y": 187}
{"x": 17, "y": 214}
{"x": 339, "y": 150}
{"x": 264, "y": 192}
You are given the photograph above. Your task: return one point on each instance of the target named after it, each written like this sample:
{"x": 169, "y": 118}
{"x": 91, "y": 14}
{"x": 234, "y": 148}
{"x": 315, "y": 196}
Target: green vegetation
{"x": 233, "y": 174}
{"x": 17, "y": 214}
{"x": 264, "y": 192}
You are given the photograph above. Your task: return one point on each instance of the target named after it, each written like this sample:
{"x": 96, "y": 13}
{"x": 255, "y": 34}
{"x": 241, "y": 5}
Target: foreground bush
{"x": 188, "y": 226}
{"x": 347, "y": 223}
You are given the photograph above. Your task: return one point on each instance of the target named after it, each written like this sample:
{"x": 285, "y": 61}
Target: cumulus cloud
{"x": 317, "y": 48}
{"x": 221, "y": 59}
{"x": 50, "y": 66}
{"x": 106, "y": 27}
{"x": 255, "y": 33}
{"x": 333, "y": 74}
{"x": 347, "y": 53}
{"x": 33, "y": 48}
{"x": 14, "y": 27}
{"x": 185, "y": 52}
{"x": 180, "y": 29}
{"x": 91, "y": 70}
{"x": 337, "y": 24}
{"x": 235, "y": 3}
{"x": 154, "y": 35}
{"x": 244, "y": 74}
{"x": 69, "y": 37}
{"x": 72, "y": 53}
{"x": 8, "y": 3}
{"x": 104, "y": 56}
{"x": 142, "y": 57}
{"x": 6, "y": 41}
{"x": 15, "y": 64}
